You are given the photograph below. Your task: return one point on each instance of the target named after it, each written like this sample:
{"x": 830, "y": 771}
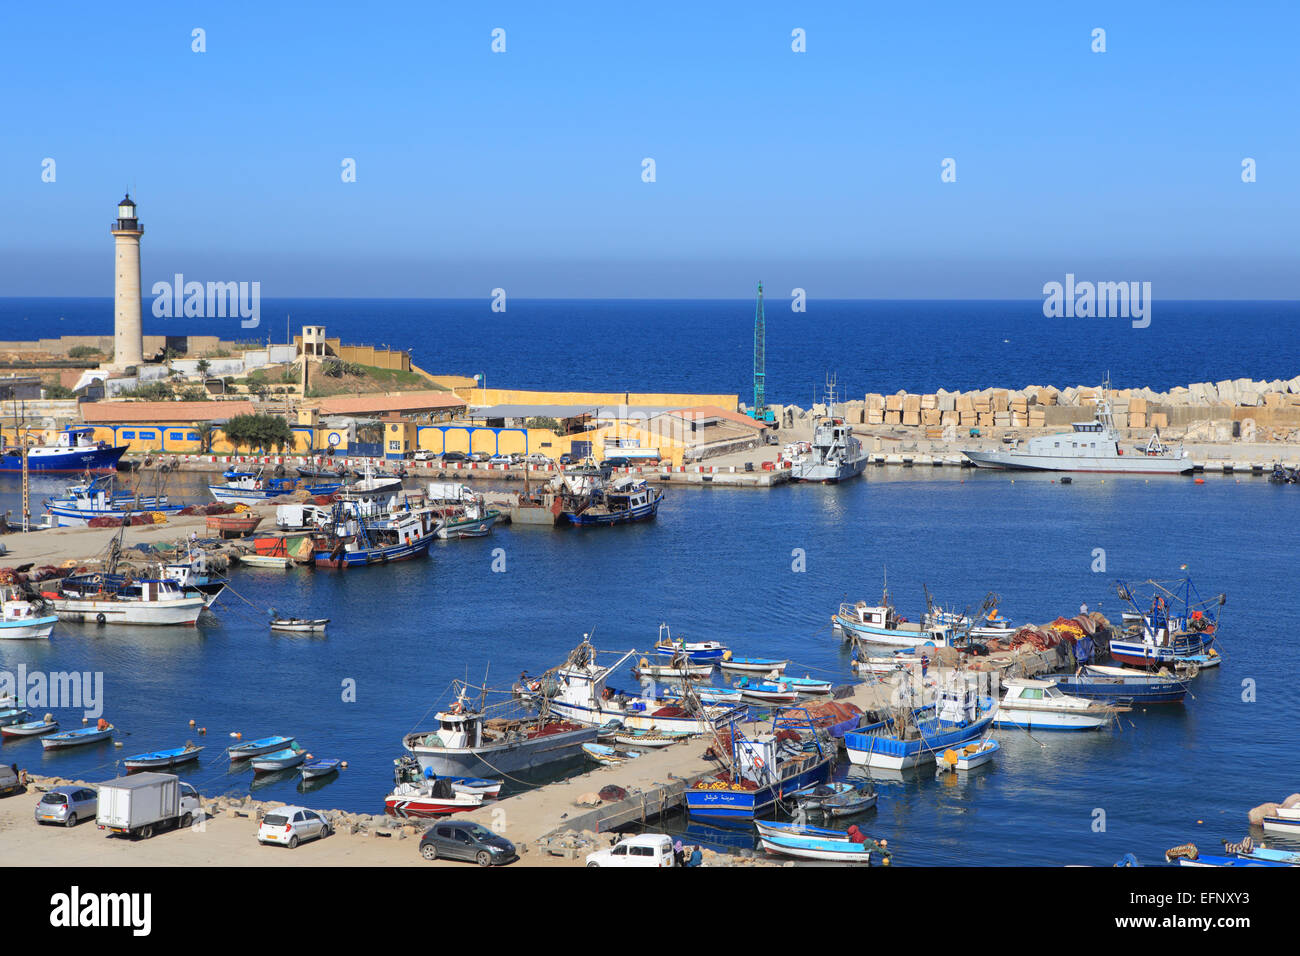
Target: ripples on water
{"x": 717, "y": 564}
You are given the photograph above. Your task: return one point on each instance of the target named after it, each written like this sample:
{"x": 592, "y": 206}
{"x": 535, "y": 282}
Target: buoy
{"x": 203, "y": 730}
{"x": 85, "y": 720}
{"x": 117, "y": 743}
{"x": 235, "y": 734}
{"x": 192, "y": 721}
{"x": 344, "y": 765}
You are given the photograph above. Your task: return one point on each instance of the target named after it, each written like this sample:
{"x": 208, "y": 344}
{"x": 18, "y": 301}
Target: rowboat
{"x": 33, "y": 728}
{"x": 608, "y": 755}
{"x": 710, "y": 695}
{"x": 646, "y": 738}
{"x": 970, "y": 756}
{"x": 14, "y": 715}
{"x": 752, "y": 665}
{"x": 278, "y": 760}
{"x": 300, "y": 624}
{"x": 695, "y": 651}
{"x": 19, "y": 617}
{"x": 1290, "y": 857}
{"x": 675, "y": 669}
{"x": 852, "y": 846}
{"x": 490, "y": 789}
{"x": 263, "y": 745}
{"x": 320, "y": 768}
{"x": 273, "y": 561}
{"x": 766, "y": 691}
{"x": 434, "y": 798}
{"x": 156, "y": 759}
{"x": 1210, "y": 859}
{"x": 807, "y": 685}
{"x": 859, "y": 798}
{"x": 76, "y": 738}
{"x": 1039, "y": 705}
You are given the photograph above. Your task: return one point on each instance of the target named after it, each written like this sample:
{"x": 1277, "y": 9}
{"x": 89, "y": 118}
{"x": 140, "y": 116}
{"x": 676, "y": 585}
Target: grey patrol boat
{"x": 836, "y": 454}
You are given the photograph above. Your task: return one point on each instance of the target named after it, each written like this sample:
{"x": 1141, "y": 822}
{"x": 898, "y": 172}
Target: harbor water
{"x": 762, "y": 571}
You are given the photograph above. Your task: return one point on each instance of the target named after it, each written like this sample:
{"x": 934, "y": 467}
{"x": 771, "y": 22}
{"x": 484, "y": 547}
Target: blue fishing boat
{"x": 753, "y": 665}
{"x": 1267, "y": 855}
{"x": 762, "y": 769}
{"x": 1210, "y": 859}
{"x": 353, "y": 543}
{"x": 695, "y": 651}
{"x": 263, "y": 745}
{"x": 13, "y": 715}
{"x": 278, "y": 759}
{"x": 624, "y": 501}
{"x": 1173, "y": 623}
{"x": 81, "y": 503}
{"x": 75, "y": 450}
{"x": 1121, "y": 684}
{"x": 818, "y": 843}
{"x": 77, "y": 738}
{"x": 254, "y": 487}
{"x": 958, "y": 717}
{"x": 31, "y": 728}
{"x": 159, "y": 759}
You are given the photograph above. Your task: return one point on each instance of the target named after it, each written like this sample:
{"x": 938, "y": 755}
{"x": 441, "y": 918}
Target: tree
{"x": 203, "y": 367}
{"x": 206, "y": 432}
{"x": 259, "y": 432}
{"x": 544, "y": 421}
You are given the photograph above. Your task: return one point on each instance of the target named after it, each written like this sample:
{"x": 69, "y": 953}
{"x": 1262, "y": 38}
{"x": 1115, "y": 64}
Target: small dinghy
{"x": 278, "y": 760}
{"x": 14, "y": 715}
{"x": 157, "y": 759}
{"x": 752, "y": 665}
{"x": 970, "y": 756}
{"x": 709, "y": 695}
{"x": 767, "y": 691}
{"x": 677, "y": 668}
{"x": 859, "y": 798}
{"x": 812, "y": 797}
{"x": 275, "y": 561}
{"x": 298, "y": 624}
{"x": 320, "y": 768}
{"x": 263, "y": 745}
{"x": 76, "y": 738}
{"x": 808, "y": 685}
{"x": 489, "y": 789}
{"x": 608, "y": 755}
{"x": 33, "y": 728}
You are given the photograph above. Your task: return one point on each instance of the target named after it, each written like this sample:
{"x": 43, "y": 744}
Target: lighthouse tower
{"x": 127, "y": 331}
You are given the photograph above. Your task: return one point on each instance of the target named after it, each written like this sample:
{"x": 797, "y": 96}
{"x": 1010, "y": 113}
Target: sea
{"x": 763, "y": 571}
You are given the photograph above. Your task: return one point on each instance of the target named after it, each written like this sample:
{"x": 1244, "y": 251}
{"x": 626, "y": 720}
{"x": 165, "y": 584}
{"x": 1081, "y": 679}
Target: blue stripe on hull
{"x": 744, "y": 805}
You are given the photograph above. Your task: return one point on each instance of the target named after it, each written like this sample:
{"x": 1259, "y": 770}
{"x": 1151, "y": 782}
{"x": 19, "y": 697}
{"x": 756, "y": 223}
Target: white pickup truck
{"x": 143, "y": 803}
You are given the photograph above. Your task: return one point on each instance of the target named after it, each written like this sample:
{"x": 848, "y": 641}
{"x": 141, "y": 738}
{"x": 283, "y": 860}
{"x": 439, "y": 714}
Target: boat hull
{"x": 1009, "y": 716}
{"x": 70, "y": 460}
{"x": 502, "y": 758}
{"x": 741, "y": 806}
{"x": 184, "y": 612}
{"x": 873, "y": 747}
{"x": 645, "y": 512}
{"x": 36, "y": 628}
{"x": 1121, "y": 464}
{"x": 829, "y": 474}
{"x": 75, "y": 739}
{"x": 373, "y": 556}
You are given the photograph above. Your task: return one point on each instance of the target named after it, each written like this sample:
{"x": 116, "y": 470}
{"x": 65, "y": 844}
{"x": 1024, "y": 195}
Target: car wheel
{"x": 429, "y": 851}
{"x": 71, "y": 821}
{"x": 593, "y": 866}
{"x": 325, "y": 831}
{"x": 146, "y": 832}
{"x": 484, "y": 858}
{"x": 293, "y": 842}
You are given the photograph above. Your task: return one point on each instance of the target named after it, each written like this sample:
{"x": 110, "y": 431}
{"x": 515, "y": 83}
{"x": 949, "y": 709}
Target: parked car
{"x": 289, "y": 826}
{"x": 566, "y": 459}
{"x": 10, "y": 782}
{"x": 67, "y": 805}
{"x": 644, "y": 849}
{"x": 473, "y": 842}
{"x": 506, "y": 460}
{"x": 536, "y": 458}
{"x": 424, "y": 455}
{"x": 617, "y": 461}
{"x": 479, "y": 456}
{"x": 454, "y": 456}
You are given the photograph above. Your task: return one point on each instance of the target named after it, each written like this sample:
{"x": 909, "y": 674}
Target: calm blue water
{"x": 717, "y": 564}
{"x": 707, "y": 346}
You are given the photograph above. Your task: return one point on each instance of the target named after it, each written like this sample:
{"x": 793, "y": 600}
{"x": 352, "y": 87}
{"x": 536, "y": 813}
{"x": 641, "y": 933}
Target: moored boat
{"x": 1178, "y": 625}
{"x": 159, "y": 602}
{"x": 752, "y": 665}
{"x": 308, "y": 625}
{"x": 251, "y": 488}
{"x": 263, "y": 745}
{"x": 816, "y": 843}
{"x": 77, "y": 738}
{"x": 916, "y": 735}
{"x": 623, "y": 501}
{"x": 1283, "y": 820}
{"x": 1121, "y": 684}
{"x": 31, "y": 728}
{"x": 1040, "y": 705}
{"x": 21, "y": 619}
{"x": 74, "y": 450}
{"x": 158, "y": 759}
{"x": 316, "y": 769}
{"x": 433, "y": 798}
{"x": 274, "y": 561}
{"x": 290, "y": 756}
{"x": 13, "y": 715}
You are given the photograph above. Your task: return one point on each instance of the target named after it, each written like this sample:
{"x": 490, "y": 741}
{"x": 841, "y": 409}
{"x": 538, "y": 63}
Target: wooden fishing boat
{"x": 32, "y": 728}
{"x": 273, "y": 561}
{"x": 709, "y": 695}
{"x": 316, "y": 769}
{"x": 233, "y": 525}
{"x": 278, "y": 760}
{"x": 489, "y": 789}
{"x": 79, "y": 737}
{"x": 1121, "y": 685}
{"x": 352, "y": 543}
{"x": 768, "y": 692}
{"x": 605, "y": 755}
{"x": 299, "y": 624}
{"x": 694, "y": 651}
{"x": 860, "y": 798}
{"x": 812, "y": 797}
{"x": 263, "y": 745}
{"x": 676, "y": 669}
{"x": 251, "y": 488}
{"x": 958, "y": 717}
{"x": 116, "y": 599}
{"x": 1175, "y": 623}
{"x": 623, "y": 501}
{"x": 433, "y": 798}
{"x": 753, "y": 665}
{"x": 158, "y": 759}
{"x": 647, "y": 738}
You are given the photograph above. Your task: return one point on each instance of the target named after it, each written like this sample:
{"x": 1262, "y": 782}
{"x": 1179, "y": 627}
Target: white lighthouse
{"x": 127, "y": 331}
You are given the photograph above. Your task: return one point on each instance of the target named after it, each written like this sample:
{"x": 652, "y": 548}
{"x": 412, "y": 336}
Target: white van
{"x": 645, "y": 849}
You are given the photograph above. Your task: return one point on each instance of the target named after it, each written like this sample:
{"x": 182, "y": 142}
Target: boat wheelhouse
{"x": 915, "y": 735}
{"x": 624, "y": 501}
{"x": 21, "y": 618}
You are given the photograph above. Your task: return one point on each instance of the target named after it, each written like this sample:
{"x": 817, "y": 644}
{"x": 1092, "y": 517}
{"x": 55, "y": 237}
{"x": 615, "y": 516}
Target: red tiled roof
{"x": 107, "y": 413}
{"x": 713, "y": 411}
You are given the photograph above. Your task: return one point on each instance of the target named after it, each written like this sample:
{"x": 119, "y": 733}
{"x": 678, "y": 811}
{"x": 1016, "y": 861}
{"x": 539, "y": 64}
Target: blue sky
{"x": 523, "y": 170}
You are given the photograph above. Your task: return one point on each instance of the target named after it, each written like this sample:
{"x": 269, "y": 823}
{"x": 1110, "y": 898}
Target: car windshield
{"x": 275, "y": 819}
{"x": 480, "y": 833}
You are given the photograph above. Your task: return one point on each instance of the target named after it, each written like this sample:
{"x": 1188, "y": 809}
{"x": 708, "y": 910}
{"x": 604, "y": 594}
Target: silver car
{"x": 67, "y": 805}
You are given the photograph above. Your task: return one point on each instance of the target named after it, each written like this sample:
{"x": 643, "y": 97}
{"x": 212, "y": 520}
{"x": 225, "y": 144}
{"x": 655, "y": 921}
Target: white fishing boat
{"x": 1091, "y": 446}
{"x": 1040, "y": 705}
{"x": 752, "y": 665}
{"x": 970, "y": 756}
{"x": 80, "y": 503}
{"x": 579, "y": 690}
{"x": 273, "y": 561}
{"x": 151, "y": 603}
{"x": 647, "y": 738}
{"x": 462, "y": 512}
{"x": 302, "y": 625}
{"x": 882, "y": 625}
{"x": 31, "y": 728}
{"x": 77, "y": 738}
{"x": 677, "y": 668}
{"x": 1283, "y": 820}
{"x": 21, "y": 619}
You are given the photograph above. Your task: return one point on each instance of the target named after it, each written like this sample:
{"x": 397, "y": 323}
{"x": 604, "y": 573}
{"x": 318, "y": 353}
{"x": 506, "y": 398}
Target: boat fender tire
{"x": 100, "y": 618}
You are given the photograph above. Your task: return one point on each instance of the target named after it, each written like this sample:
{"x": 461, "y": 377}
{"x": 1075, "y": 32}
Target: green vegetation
{"x": 544, "y": 422}
{"x": 151, "y": 391}
{"x": 84, "y": 351}
{"x": 57, "y": 391}
{"x": 259, "y": 432}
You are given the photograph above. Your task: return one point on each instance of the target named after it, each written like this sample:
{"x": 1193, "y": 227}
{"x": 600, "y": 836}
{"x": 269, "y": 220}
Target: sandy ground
{"x": 224, "y": 840}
